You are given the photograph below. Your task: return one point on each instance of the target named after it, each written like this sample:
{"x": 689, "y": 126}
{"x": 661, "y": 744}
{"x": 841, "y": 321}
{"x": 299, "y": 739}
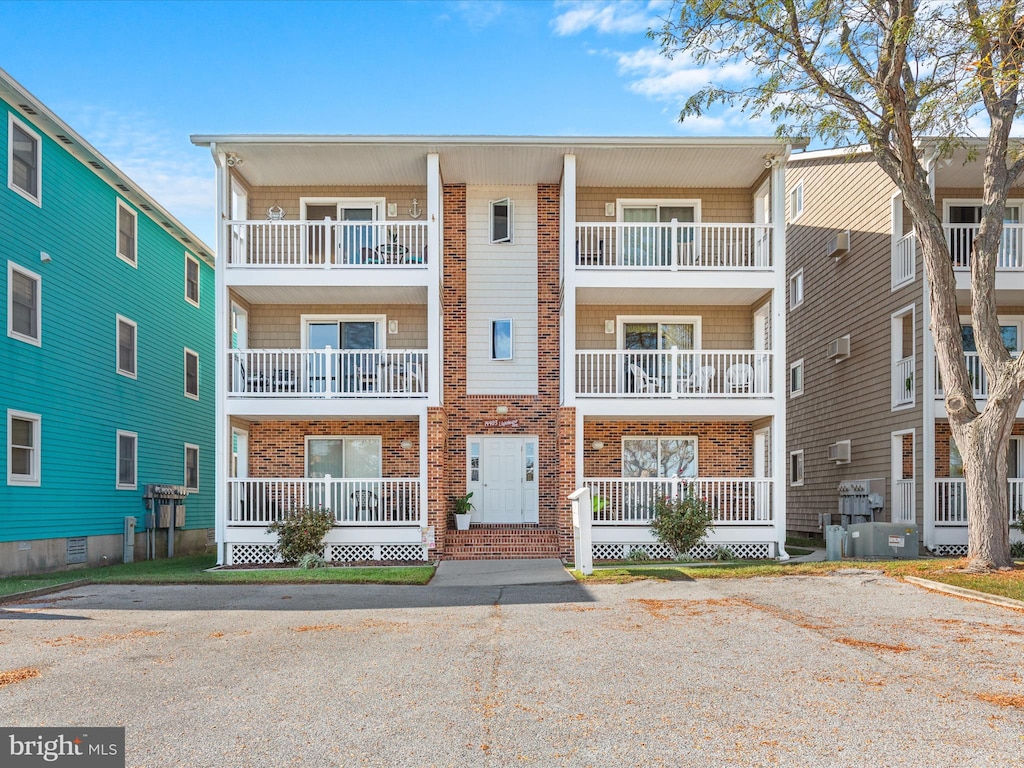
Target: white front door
{"x": 505, "y": 487}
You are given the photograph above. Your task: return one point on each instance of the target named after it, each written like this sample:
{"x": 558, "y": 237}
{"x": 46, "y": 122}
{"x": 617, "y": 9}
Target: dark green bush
{"x": 301, "y": 532}
{"x": 682, "y": 522}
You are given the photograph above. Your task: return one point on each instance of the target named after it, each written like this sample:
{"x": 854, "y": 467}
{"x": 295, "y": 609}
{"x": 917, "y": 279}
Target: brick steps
{"x": 502, "y": 542}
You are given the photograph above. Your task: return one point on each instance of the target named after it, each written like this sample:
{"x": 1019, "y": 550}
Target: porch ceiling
{"x": 401, "y": 160}
{"x": 639, "y": 296}
{"x": 327, "y": 294}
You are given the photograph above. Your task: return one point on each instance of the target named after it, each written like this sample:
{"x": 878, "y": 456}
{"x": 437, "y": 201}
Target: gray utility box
{"x": 883, "y": 541}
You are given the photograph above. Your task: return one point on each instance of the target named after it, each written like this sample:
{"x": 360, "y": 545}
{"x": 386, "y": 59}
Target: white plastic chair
{"x": 643, "y": 381}
{"x": 739, "y": 377}
{"x": 700, "y": 379}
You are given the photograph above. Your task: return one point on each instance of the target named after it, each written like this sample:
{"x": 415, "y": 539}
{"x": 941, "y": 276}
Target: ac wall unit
{"x": 839, "y": 452}
{"x": 839, "y": 244}
{"x": 839, "y": 349}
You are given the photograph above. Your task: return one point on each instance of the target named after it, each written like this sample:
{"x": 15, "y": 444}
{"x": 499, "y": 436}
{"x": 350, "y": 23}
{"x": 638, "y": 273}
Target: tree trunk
{"x": 982, "y": 444}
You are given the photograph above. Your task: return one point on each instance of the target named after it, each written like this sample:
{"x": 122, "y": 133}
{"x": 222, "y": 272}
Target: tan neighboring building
{"x": 864, "y": 399}
{"x": 404, "y": 320}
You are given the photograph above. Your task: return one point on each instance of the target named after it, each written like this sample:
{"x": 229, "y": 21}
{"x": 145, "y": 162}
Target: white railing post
{"x": 582, "y": 533}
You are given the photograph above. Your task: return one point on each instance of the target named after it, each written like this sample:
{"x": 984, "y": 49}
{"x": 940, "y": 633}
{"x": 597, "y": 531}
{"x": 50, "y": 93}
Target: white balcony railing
{"x": 961, "y": 245}
{"x": 903, "y": 381}
{"x": 354, "y": 502}
{"x": 903, "y": 507}
{"x": 903, "y": 260}
{"x": 975, "y": 373}
{"x": 630, "y": 501}
{"x": 327, "y": 373}
{"x": 951, "y": 500}
{"x": 320, "y": 244}
{"x": 673, "y": 373}
{"x": 673, "y": 245}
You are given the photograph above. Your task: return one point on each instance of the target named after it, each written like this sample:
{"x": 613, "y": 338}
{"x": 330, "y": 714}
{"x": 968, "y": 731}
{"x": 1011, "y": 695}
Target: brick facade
{"x": 944, "y": 436}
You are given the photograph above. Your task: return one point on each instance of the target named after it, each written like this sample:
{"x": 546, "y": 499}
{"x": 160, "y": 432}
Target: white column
{"x": 435, "y": 261}
{"x": 423, "y": 469}
{"x": 222, "y": 326}
{"x": 568, "y": 270}
{"x": 780, "y": 461}
{"x": 580, "y": 448}
{"x": 928, "y": 398}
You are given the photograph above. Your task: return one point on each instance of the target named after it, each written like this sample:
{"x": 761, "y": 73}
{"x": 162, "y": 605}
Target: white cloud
{"x": 176, "y": 174}
{"x": 658, "y": 77}
{"x": 615, "y": 17}
{"x": 476, "y": 15}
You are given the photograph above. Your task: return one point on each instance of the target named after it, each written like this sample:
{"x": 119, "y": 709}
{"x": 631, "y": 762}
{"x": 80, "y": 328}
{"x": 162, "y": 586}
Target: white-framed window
{"x": 191, "y": 467}
{"x": 24, "y": 305}
{"x": 191, "y": 279}
{"x": 796, "y": 467}
{"x": 127, "y": 234}
{"x": 903, "y": 255}
{"x": 24, "y": 443}
{"x": 796, "y": 378}
{"x": 127, "y": 460}
{"x": 501, "y": 339}
{"x": 127, "y": 347}
{"x": 24, "y": 160}
{"x": 796, "y": 289}
{"x": 191, "y": 374}
{"x": 501, "y": 221}
{"x": 659, "y": 456}
{"x": 796, "y": 201}
{"x": 903, "y": 359}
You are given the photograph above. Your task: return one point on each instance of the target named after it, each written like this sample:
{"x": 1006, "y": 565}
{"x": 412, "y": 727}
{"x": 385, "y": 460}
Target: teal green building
{"x": 107, "y": 359}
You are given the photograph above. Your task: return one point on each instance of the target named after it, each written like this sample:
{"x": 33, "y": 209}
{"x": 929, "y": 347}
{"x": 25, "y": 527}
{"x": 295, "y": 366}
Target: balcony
{"x": 363, "y": 502}
{"x": 961, "y": 244}
{"x": 673, "y": 246}
{"x": 975, "y": 373}
{"x": 951, "y": 501}
{"x": 328, "y": 244}
{"x": 673, "y": 374}
{"x": 630, "y": 501}
{"x": 327, "y": 373}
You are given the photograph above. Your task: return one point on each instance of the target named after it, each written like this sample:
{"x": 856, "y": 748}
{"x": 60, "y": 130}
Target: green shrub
{"x": 312, "y": 560}
{"x": 682, "y": 522}
{"x": 638, "y": 555}
{"x": 1017, "y": 549}
{"x": 722, "y": 554}
{"x": 301, "y": 532}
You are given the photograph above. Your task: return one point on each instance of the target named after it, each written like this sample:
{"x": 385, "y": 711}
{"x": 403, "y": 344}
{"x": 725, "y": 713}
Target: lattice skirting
{"x": 658, "y": 551}
{"x": 251, "y": 554}
{"x": 355, "y": 553}
{"x": 951, "y": 550}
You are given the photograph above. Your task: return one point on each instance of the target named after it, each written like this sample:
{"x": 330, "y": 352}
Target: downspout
{"x": 780, "y": 464}
{"x": 222, "y": 309}
{"x": 928, "y": 393}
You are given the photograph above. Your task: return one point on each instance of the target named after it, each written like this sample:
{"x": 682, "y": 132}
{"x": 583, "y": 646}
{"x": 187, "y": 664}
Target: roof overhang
{"x": 38, "y": 114}
{"x": 272, "y": 160}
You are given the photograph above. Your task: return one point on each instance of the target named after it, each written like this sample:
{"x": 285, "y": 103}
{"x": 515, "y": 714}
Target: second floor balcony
{"x": 672, "y": 374}
{"x": 673, "y": 246}
{"x": 328, "y": 244}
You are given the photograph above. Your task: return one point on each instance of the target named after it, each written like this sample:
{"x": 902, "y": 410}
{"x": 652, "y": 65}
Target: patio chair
{"x": 363, "y": 505}
{"x": 283, "y": 381}
{"x": 739, "y": 377}
{"x": 643, "y": 381}
{"x": 700, "y": 380}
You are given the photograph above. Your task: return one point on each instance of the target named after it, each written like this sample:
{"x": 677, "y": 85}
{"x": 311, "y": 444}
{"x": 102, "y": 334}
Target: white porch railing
{"x": 974, "y": 371}
{"x": 326, "y": 373}
{"x": 290, "y": 244}
{"x": 673, "y": 245}
{"x": 951, "y": 500}
{"x": 673, "y": 373}
{"x": 903, "y": 259}
{"x": 355, "y": 502}
{"x": 961, "y": 245}
{"x": 630, "y": 501}
{"x": 903, "y": 510}
{"x": 903, "y": 381}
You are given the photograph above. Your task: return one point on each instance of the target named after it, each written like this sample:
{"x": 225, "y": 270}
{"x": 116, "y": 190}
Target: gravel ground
{"x": 848, "y": 670}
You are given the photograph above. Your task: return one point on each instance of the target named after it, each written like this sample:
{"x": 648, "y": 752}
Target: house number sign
{"x": 502, "y": 423}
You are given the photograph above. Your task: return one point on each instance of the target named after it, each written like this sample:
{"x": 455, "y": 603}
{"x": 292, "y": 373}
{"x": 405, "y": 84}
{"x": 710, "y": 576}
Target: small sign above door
{"x": 502, "y": 423}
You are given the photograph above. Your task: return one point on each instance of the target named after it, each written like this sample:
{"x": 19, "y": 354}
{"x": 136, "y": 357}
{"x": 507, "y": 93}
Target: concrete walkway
{"x": 499, "y": 573}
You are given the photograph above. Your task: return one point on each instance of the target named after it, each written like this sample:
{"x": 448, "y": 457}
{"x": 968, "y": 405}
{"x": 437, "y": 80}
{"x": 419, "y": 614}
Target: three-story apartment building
{"x": 865, "y": 398}
{"x": 404, "y": 320}
{"x": 107, "y": 359}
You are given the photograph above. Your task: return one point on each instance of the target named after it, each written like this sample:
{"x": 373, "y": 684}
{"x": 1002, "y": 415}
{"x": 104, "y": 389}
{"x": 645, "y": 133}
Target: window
{"x": 796, "y": 378}
{"x": 902, "y": 358}
{"x": 659, "y": 457}
{"x": 191, "y": 374}
{"x": 651, "y": 239}
{"x": 127, "y": 460}
{"x": 127, "y": 234}
{"x": 191, "y": 279}
{"x": 23, "y": 441}
{"x": 501, "y": 339}
{"x": 796, "y": 289}
{"x": 24, "y": 160}
{"x": 191, "y": 467}
{"x": 501, "y": 221}
{"x": 796, "y": 201}
{"x": 796, "y": 468}
{"x": 474, "y": 461}
{"x": 23, "y": 304}
{"x": 127, "y": 347}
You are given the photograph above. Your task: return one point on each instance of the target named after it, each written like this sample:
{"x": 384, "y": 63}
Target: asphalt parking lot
{"x": 846, "y": 670}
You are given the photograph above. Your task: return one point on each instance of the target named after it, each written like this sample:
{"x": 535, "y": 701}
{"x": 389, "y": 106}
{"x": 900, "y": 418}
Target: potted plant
{"x": 462, "y": 508}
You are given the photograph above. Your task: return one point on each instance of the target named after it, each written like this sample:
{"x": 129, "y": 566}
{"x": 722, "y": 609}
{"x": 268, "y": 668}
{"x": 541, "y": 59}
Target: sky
{"x": 135, "y": 79}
